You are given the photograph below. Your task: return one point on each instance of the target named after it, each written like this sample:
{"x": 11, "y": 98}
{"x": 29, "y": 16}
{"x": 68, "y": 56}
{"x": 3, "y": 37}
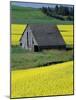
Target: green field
{"x": 22, "y": 15}
{"x": 45, "y": 81}
{"x": 22, "y": 59}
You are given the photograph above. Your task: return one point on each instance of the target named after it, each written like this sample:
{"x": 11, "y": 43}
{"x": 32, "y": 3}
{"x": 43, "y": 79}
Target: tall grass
{"x": 22, "y": 59}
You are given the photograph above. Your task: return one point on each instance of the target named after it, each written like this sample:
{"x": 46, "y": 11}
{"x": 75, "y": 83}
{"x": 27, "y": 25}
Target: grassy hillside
{"x": 24, "y": 15}
{"x": 22, "y": 59}
{"x": 45, "y": 81}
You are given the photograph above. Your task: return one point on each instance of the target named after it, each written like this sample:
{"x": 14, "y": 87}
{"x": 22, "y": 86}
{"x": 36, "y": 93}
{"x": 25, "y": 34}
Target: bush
{"x": 58, "y": 17}
{"x": 70, "y": 18}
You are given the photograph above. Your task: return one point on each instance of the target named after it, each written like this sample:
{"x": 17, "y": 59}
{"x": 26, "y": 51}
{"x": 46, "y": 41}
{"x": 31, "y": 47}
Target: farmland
{"x": 23, "y": 59}
{"x": 67, "y": 33}
{"x": 16, "y": 32}
{"x": 45, "y": 73}
{"x": 22, "y": 15}
{"x": 28, "y": 70}
{"x": 44, "y": 81}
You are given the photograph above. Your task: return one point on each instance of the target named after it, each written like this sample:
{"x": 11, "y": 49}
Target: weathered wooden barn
{"x": 37, "y": 37}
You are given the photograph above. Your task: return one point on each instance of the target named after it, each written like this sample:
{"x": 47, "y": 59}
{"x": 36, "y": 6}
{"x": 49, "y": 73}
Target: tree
{"x": 56, "y": 9}
{"x": 66, "y": 11}
{"x": 44, "y": 9}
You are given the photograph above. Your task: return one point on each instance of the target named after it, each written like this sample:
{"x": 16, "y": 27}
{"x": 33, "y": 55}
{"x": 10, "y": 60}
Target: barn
{"x": 37, "y": 37}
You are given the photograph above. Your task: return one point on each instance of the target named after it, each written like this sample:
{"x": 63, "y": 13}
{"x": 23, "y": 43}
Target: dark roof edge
{"x": 60, "y": 34}
{"x": 23, "y": 32}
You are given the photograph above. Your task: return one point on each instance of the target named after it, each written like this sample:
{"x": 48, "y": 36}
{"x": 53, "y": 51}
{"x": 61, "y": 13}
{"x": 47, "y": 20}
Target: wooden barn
{"x": 37, "y": 37}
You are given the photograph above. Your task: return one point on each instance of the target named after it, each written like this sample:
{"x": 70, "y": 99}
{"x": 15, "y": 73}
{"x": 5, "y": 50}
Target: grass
{"x": 45, "y": 81}
{"x": 22, "y": 15}
{"x": 22, "y": 59}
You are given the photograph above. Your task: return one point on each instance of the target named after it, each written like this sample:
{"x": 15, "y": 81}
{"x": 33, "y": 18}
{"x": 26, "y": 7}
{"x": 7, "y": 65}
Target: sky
{"x": 34, "y": 5}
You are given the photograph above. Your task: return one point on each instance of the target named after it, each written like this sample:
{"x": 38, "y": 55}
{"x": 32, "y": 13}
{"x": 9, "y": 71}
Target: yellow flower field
{"x": 45, "y": 81}
{"x": 67, "y": 33}
{"x": 17, "y": 28}
{"x": 65, "y": 27}
{"x": 16, "y": 32}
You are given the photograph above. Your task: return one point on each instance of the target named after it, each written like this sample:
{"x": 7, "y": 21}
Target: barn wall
{"x": 31, "y": 39}
{"x": 24, "y": 40}
{"x": 52, "y": 47}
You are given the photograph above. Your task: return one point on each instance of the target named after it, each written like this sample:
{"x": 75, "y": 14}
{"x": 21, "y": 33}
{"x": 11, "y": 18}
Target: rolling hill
{"x": 26, "y": 15}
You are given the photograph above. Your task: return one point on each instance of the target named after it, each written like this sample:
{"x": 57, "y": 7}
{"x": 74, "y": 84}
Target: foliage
{"x": 59, "y": 12}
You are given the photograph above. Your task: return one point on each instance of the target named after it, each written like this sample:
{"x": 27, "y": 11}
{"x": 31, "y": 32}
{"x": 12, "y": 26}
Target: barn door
{"x": 36, "y": 48}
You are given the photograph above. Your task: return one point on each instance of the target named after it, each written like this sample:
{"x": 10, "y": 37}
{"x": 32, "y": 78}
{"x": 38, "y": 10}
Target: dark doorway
{"x": 27, "y": 40}
{"x": 35, "y": 48}
{"x": 20, "y": 44}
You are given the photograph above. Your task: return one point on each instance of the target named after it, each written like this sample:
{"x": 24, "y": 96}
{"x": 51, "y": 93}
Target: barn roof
{"x": 47, "y": 34}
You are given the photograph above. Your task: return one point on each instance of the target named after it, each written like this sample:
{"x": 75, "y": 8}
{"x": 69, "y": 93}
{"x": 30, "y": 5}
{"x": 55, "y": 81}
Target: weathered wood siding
{"x": 31, "y": 40}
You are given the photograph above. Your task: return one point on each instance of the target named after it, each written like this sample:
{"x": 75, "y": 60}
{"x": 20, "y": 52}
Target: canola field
{"x": 18, "y": 29}
{"x": 67, "y": 33}
{"x": 16, "y": 32}
{"x": 45, "y": 81}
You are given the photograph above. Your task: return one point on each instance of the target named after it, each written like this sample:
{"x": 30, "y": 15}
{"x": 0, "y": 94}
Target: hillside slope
{"x": 26, "y": 15}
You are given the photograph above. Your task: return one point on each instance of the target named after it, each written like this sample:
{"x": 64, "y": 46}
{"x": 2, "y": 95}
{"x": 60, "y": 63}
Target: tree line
{"x": 59, "y": 12}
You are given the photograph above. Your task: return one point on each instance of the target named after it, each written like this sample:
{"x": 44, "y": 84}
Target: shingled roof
{"x": 47, "y": 34}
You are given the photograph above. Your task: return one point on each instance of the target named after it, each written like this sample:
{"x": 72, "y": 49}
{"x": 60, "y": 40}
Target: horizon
{"x": 36, "y": 5}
